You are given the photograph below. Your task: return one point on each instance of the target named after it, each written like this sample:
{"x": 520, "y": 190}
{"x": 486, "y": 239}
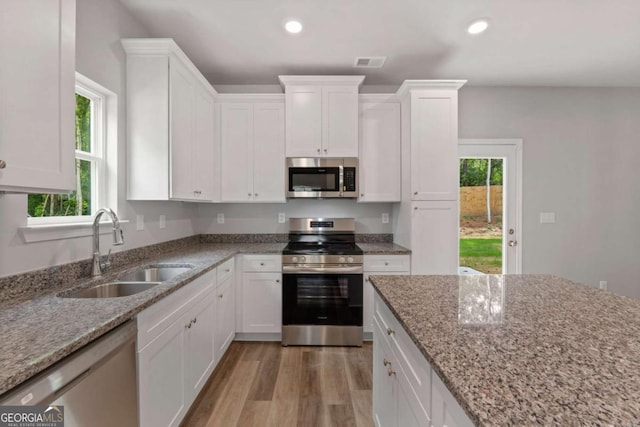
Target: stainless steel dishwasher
{"x": 96, "y": 384}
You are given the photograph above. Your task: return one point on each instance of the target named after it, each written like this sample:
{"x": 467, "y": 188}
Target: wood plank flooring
{"x": 265, "y": 384}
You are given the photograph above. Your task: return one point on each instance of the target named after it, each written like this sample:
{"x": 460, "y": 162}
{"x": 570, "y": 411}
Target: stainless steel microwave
{"x": 316, "y": 178}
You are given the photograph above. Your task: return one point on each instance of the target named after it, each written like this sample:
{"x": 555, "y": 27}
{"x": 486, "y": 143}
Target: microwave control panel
{"x": 349, "y": 179}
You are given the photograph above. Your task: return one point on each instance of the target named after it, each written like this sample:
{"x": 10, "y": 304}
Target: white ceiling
{"x": 529, "y": 43}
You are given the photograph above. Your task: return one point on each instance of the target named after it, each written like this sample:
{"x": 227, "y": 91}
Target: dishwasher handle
{"x": 57, "y": 379}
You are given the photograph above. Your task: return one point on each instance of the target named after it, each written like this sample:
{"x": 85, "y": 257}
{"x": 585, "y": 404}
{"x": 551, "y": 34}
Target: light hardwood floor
{"x": 265, "y": 384}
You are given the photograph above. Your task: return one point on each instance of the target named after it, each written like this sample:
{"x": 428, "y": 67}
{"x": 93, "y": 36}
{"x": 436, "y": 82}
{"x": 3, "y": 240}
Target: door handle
{"x": 513, "y": 243}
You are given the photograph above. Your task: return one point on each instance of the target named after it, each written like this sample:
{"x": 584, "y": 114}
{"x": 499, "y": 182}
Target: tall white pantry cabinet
{"x": 427, "y": 216}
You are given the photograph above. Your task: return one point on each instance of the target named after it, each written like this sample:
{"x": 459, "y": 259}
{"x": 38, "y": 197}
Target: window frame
{"x": 100, "y": 97}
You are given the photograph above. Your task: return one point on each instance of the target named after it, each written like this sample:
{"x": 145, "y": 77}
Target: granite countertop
{"x": 383, "y": 248}
{"x": 42, "y": 330}
{"x": 525, "y": 349}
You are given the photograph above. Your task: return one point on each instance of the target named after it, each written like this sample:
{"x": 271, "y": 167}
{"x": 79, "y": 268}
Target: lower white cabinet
{"x": 379, "y": 264}
{"x": 259, "y": 304}
{"x": 181, "y": 338}
{"x": 406, "y": 391}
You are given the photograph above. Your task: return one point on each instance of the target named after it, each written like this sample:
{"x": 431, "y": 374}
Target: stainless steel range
{"x": 322, "y": 283}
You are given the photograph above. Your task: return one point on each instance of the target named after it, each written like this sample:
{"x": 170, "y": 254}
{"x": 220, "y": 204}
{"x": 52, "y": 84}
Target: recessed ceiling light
{"x": 294, "y": 27}
{"x": 478, "y": 26}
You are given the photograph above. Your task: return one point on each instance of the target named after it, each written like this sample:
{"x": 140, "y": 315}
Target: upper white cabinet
{"x": 170, "y": 119}
{"x": 252, "y": 148}
{"x": 37, "y": 102}
{"x": 321, "y": 115}
{"x": 379, "y": 149}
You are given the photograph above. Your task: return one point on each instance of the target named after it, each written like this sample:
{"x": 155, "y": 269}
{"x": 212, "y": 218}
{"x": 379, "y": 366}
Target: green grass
{"x": 482, "y": 254}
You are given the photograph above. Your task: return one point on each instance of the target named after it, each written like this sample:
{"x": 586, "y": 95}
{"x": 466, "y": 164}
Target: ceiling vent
{"x": 369, "y": 61}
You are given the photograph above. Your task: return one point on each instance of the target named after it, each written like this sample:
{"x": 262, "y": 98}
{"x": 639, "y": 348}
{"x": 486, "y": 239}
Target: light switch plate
{"x": 385, "y": 218}
{"x": 139, "y": 222}
{"x": 220, "y": 218}
{"x": 281, "y": 217}
{"x": 547, "y": 217}
{"x": 162, "y": 223}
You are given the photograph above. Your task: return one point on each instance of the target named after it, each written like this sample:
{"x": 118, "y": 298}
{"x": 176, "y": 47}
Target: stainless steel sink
{"x": 112, "y": 290}
{"x": 153, "y": 274}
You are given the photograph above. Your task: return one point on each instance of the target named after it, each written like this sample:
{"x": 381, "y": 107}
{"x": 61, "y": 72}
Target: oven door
{"x": 322, "y": 299}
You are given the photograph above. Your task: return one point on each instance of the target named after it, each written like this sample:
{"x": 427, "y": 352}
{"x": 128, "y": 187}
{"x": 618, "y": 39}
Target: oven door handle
{"x": 326, "y": 269}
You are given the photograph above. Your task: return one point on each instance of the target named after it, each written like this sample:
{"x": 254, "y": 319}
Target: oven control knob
{"x": 294, "y": 259}
{"x": 341, "y": 259}
{"x": 303, "y": 259}
{"x": 350, "y": 259}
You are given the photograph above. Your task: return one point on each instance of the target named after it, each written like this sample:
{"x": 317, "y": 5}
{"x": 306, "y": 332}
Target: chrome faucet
{"x": 118, "y": 238}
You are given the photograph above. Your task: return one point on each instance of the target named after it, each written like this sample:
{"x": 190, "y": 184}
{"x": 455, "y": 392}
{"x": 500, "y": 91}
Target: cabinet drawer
{"x": 155, "y": 319}
{"x": 262, "y": 263}
{"x": 386, "y": 263}
{"x": 225, "y": 270}
{"x": 414, "y": 365}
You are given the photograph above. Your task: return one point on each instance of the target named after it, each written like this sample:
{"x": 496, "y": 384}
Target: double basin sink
{"x": 130, "y": 283}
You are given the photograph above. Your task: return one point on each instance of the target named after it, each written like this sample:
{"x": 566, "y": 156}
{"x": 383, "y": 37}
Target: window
{"x": 90, "y": 153}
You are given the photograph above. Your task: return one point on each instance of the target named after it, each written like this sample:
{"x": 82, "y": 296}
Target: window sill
{"x": 44, "y": 232}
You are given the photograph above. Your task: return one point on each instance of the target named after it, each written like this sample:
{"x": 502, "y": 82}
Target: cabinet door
{"x": 340, "y": 121}
{"x": 182, "y": 113}
{"x": 203, "y": 152}
{"x": 303, "y": 121}
{"x": 410, "y": 410}
{"x": 434, "y": 145}
{"x": 199, "y": 346}
{"x": 160, "y": 379}
{"x": 368, "y": 295}
{"x": 384, "y": 386}
{"x": 379, "y": 152}
{"x": 225, "y": 317}
{"x": 37, "y": 103}
{"x": 447, "y": 412}
{"x": 434, "y": 240}
{"x": 268, "y": 149}
{"x": 236, "y": 156}
{"x": 261, "y": 302}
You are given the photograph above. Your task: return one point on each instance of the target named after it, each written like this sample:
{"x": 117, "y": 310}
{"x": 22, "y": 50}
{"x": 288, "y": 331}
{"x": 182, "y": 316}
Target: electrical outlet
{"x": 603, "y": 285}
{"x": 139, "y": 222}
{"x": 385, "y": 218}
{"x": 220, "y": 218}
{"x": 281, "y": 218}
{"x": 162, "y": 223}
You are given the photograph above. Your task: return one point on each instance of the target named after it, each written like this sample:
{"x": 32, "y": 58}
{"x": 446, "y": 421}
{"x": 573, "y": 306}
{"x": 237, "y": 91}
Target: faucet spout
{"x": 98, "y": 266}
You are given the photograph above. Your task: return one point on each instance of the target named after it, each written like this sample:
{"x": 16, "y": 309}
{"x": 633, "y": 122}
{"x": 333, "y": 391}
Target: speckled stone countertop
{"x": 42, "y": 330}
{"x": 383, "y": 248}
{"x": 525, "y": 349}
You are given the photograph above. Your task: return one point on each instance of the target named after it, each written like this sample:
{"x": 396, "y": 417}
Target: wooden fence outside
{"x": 473, "y": 200}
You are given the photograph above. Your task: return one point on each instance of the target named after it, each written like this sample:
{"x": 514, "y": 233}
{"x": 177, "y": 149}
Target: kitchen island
{"x": 518, "y": 349}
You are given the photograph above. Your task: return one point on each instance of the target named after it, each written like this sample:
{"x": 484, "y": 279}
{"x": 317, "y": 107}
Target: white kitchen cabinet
{"x": 427, "y": 216}
{"x": 380, "y": 265}
{"x": 434, "y": 145}
{"x": 259, "y": 296}
{"x": 199, "y": 324}
{"x": 379, "y": 150}
{"x": 406, "y": 390}
{"x": 161, "y": 394}
{"x": 321, "y": 115}
{"x": 170, "y": 118}
{"x": 435, "y": 248}
{"x": 37, "y": 102}
{"x": 225, "y": 325}
{"x": 176, "y": 351}
{"x": 252, "y": 149}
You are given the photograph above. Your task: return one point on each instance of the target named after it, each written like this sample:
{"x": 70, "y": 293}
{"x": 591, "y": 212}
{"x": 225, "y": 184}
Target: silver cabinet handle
{"x": 390, "y": 331}
{"x": 318, "y": 150}
{"x": 386, "y": 263}
{"x": 277, "y": 280}
{"x": 391, "y": 372}
{"x": 385, "y": 362}
{"x": 325, "y": 150}
{"x": 255, "y": 194}
{"x": 220, "y": 296}
{"x": 366, "y": 280}
{"x": 415, "y": 193}
{"x": 262, "y": 264}
{"x": 361, "y": 194}
{"x": 188, "y": 325}
{"x": 3, "y": 164}
{"x": 226, "y": 270}
{"x": 195, "y": 319}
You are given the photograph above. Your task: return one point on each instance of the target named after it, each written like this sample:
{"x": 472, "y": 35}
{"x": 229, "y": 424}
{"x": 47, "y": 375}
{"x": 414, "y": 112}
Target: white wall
{"x": 99, "y": 56}
{"x": 263, "y": 218}
{"x": 581, "y": 151}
